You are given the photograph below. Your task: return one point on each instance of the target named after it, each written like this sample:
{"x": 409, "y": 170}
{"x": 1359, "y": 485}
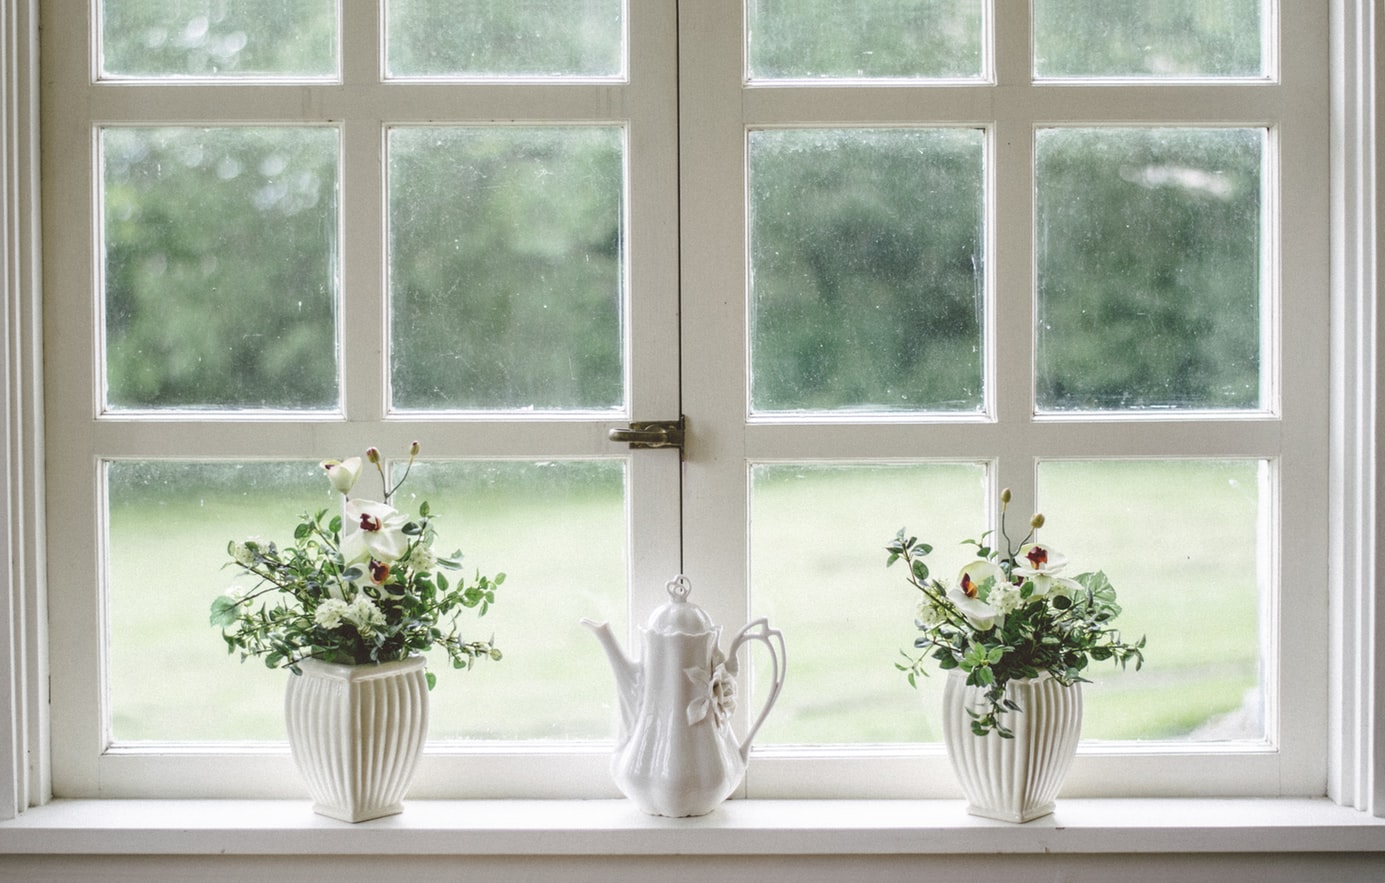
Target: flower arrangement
{"x": 1011, "y": 615}
{"x": 359, "y": 587}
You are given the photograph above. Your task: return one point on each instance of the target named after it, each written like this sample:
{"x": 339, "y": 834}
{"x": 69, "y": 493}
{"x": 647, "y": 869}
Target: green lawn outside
{"x": 1177, "y": 539}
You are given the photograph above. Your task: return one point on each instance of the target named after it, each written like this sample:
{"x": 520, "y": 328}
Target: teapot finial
{"x": 679, "y": 588}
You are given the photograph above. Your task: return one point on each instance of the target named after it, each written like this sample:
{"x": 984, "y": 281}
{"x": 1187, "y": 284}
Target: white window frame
{"x": 1355, "y": 684}
{"x": 1010, "y": 437}
{"x": 361, "y": 104}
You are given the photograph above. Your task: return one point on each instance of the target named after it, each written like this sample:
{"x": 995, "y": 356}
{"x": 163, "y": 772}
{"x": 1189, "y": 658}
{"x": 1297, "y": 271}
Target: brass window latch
{"x": 651, "y": 433}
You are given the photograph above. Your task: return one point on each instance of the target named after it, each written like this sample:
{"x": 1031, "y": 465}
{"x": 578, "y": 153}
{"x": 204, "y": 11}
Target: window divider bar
{"x": 363, "y": 272}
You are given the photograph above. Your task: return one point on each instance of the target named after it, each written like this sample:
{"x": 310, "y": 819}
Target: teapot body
{"x": 679, "y": 756}
{"x": 677, "y": 753}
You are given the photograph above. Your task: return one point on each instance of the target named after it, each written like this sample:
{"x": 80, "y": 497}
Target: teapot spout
{"x": 627, "y": 673}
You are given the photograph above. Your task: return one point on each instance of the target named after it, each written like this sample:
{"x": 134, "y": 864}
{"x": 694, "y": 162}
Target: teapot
{"x": 676, "y": 753}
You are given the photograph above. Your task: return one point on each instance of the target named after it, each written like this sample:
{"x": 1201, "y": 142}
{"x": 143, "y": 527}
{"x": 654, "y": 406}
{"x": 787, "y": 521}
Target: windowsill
{"x": 741, "y": 827}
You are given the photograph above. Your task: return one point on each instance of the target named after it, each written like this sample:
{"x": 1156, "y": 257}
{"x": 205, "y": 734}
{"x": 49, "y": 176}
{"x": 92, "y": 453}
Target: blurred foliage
{"x": 1153, "y": 38}
{"x": 506, "y": 250}
{"x": 209, "y": 38}
{"x": 1148, "y": 255}
{"x": 865, "y": 38}
{"x": 507, "y": 245}
{"x": 866, "y": 255}
{"x": 487, "y": 38}
{"x": 220, "y": 267}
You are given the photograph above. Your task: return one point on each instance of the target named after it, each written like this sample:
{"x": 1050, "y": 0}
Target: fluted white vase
{"x": 1014, "y": 780}
{"x": 356, "y": 733}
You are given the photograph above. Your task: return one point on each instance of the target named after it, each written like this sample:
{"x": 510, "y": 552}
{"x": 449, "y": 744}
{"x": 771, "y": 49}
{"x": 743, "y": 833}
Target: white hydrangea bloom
{"x": 330, "y": 612}
{"x": 422, "y": 559}
{"x": 241, "y": 552}
{"x": 363, "y": 614}
{"x": 929, "y": 614}
{"x": 1005, "y": 598}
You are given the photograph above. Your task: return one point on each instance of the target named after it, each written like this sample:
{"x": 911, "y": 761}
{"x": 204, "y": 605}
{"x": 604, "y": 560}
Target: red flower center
{"x": 370, "y": 522}
{"x": 379, "y": 572}
{"x": 1038, "y": 557}
{"x": 968, "y": 587}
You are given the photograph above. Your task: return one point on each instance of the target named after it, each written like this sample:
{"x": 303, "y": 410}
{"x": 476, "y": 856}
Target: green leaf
{"x": 225, "y": 611}
{"x": 431, "y": 678}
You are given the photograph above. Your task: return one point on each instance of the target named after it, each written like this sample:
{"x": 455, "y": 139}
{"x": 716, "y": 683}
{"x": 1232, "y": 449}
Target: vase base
{"x": 1005, "y": 815}
{"x": 357, "y": 814}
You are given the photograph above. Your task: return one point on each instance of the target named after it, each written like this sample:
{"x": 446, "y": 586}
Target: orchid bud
{"x": 373, "y": 455}
{"x": 1005, "y": 496}
{"x": 413, "y": 449}
{"x": 343, "y": 473}
{"x": 1037, "y": 521}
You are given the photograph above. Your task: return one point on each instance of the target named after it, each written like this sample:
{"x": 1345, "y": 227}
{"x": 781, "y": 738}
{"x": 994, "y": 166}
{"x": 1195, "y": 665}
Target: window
{"x": 898, "y": 276}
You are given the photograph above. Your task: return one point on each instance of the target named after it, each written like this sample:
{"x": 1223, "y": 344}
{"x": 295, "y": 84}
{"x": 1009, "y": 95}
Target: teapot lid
{"x": 679, "y": 616}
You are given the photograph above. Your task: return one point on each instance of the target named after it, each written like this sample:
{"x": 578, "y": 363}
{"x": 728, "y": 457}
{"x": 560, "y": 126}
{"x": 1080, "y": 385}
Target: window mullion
{"x": 1012, "y": 52}
{"x": 1011, "y": 305}
{"x": 363, "y": 311}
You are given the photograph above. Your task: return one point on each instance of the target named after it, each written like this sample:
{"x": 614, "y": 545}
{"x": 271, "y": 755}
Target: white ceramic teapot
{"x": 676, "y": 754}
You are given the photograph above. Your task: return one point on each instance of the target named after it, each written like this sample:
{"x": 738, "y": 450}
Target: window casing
{"x": 1007, "y": 436}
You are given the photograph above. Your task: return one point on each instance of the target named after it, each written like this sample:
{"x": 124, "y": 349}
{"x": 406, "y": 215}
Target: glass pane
{"x": 1149, "y": 250}
{"x": 215, "y": 38}
{"x": 557, "y": 529}
{"x": 506, "y": 268}
{"x": 866, "y": 269}
{"x": 505, "y": 38}
{"x": 220, "y": 267}
{"x": 170, "y": 675}
{"x": 168, "y": 526}
{"x": 1152, "y": 38}
{"x": 817, "y": 570}
{"x": 854, "y": 39}
{"x": 1183, "y": 543}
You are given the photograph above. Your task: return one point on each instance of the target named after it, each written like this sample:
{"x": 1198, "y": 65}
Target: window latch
{"x": 651, "y": 433}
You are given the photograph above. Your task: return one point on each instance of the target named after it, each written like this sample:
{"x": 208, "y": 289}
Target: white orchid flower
{"x": 975, "y": 575}
{"x": 343, "y": 473}
{"x": 1040, "y": 565}
{"x": 981, "y": 615}
{"x": 372, "y": 530}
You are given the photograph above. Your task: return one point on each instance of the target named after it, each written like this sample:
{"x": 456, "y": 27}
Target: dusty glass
{"x": 1149, "y": 248}
{"x": 866, "y": 267}
{"x": 865, "y": 39}
{"x": 817, "y": 570}
{"x": 165, "y": 39}
{"x": 557, "y": 530}
{"x": 220, "y": 267}
{"x": 168, "y": 524}
{"x": 1183, "y": 543}
{"x": 1162, "y": 39}
{"x": 490, "y": 39}
{"x": 506, "y": 268}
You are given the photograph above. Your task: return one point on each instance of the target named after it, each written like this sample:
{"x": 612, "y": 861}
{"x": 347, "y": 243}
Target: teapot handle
{"x": 759, "y": 630}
